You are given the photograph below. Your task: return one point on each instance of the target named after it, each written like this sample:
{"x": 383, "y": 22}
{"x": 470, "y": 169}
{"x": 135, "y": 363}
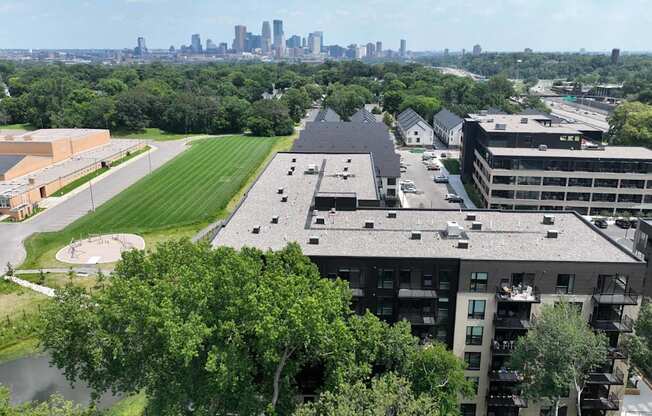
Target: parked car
{"x": 432, "y": 166}
{"x": 403, "y": 169}
{"x": 443, "y": 155}
{"x": 428, "y": 155}
{"x": 410, "y": 189}
{"x": 633, "y": 222}
{"x": 600, "y": 223}
{"x": 82, "y": 274}
{"x": 623, "y": 223}
{"x": 440, "y": 179}
{"x": 407, "y": 182}
{"x": 454, "y": 198}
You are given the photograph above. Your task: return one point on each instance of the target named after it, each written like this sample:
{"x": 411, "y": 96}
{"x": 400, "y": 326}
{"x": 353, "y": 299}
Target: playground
{"x": 99, "y": 249}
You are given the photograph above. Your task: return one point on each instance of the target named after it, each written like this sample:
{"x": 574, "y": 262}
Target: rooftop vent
{"x": 543, "y": 147}
{"x": 470, "y": 217}
{"x": 463, "y": 244}
{"x": 284, "y": 198}
{"x": 552, "y": 234}
{"x": 315, "y": 212}
{"x": 294, "y": 160}
{"x": 292, "y": 168}
{"x": 348, "y": 160}
{"x": 256, "y": 229}
{"x": 391, "y": 214}
{"x": 524, "y": 120}
{"x": 32, "y": 181}
{"x": 453, "y": 229}
{"x": 333, "y": 211}
{"x": 275, "y": 219}
{"x": 345, "y": 176}
{"x": 320, "y": 220}
{"x": 501, "y": 126}
{"x": 548, "y": 219}
{"x": 415, "y": 235}
{"x": 346, "y": 168}
{"x": 489, "y": 120}
{"x": 368, "y": 224}
{"x": 313, "y": 239}
{"x": 290, "y": 172}
{"x": 476, "y": 225}
{"x": 279, "y": 191}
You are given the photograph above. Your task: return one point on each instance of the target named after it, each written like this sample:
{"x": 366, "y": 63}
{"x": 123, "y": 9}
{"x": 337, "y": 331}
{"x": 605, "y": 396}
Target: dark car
{"x": 633, "y": 222}
{"x": 623, "y": 223}
{"x": 600, "y": 223}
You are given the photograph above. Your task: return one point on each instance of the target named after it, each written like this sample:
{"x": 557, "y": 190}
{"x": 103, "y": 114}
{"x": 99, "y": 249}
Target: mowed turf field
{"x": 193, "y": 188}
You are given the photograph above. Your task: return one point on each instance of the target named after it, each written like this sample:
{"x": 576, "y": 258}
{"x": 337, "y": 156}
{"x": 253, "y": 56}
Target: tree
{"x": 231, "y": 115}
{"x": 392, "y": 101}
{"x": 388, "y": 120}
{"x": 558, "y": 353}
{"x": 55, "y": 405}
{"x": 314, "y": 91}
{"x": 425, "y": 106}
{"x": 216, "y": 330}
{"x": 640, "y": 344}
{"x": 270, "y": 118}
{"x": 132, "y": 109}
{"x": 297, "y": 101}
{"x": 388, "y": 395}
{"x": 346, "y": 100}
{"x": 631, "y": 125}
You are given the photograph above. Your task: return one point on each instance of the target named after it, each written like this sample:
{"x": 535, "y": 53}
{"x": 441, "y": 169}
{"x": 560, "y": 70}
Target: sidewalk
{"x": 455, "y": 181}
{"x": 49, "y": 292}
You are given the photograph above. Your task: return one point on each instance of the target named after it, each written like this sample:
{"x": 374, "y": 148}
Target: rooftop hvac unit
{"x": 275, "y": 219}
{"x": 284, "y": 198}
{"x": 415, "y": 235}
{"x": 313, "y": 239}
{"x": 32, "y": 181}
{"x": 470, "y": 217}
{"x": 294, "y": 160}
{"x": 501, "y": 126}
{"x": 292, "y": 168}
{"x": 552, "y": 234}
{"x": 320, "y": 220}
{"x": 368, "y": 224}
{"x": 543, "y": 147}
{"x": 290, "y": 172}
{"x": 256, "y": 229}
{"x": 524, "y": 120}
{"x": 346, "y": 168}
{"x": 453, "y": 229}
{"x": 463, "y": 244}
{"x": 279, "y": 191}
{"x": 476, "y": 225}
{"x": 548, "y": 219}
{"x": 391, "y": 214}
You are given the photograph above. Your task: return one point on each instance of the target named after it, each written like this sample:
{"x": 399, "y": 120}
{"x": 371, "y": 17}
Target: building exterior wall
{"x": 389, "y": 191}
{"x": 418, "y": 135}
{"x": 450, "y": 137}
{"x": 25, "y": 166}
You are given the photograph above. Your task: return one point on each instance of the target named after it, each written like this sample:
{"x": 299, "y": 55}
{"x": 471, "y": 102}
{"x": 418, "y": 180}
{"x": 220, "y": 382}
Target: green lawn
{"x": 195, "y": 188}
{"x": 24, "y": 126}
{"x": 130, "y": 406}
{"x": 451, "y": 165}
{"x": 149, "y": 133}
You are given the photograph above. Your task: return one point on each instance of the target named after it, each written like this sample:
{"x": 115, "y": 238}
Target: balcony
{"x": 616, "y": 353}
{"x": 518, "y": 294}
{"x": 502, "y": 348}
{"x": 511, "y": 322}
{"x": 601, "y": 403}
{"x": 615, "y": 324}
{"x": 504, "y": 376}
{"x": 505, "y": 400}
{"x": 417, "y": 318}
{"x": 626, "y": 297}
{"x": 606, "y": 378}
{"x": 406, "y": 293}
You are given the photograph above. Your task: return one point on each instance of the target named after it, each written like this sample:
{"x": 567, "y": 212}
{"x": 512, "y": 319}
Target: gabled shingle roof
{"x": 409, "y": 118}
{"x": 363, "y": 116}
{"x": 447, "y": 119}
{"x": 9, "y": 161}
{"x": 336, "y": 137}
{"x": 327, "y": 114}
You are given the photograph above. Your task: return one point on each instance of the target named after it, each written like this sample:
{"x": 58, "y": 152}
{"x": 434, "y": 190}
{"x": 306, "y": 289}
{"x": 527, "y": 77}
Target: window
{"x": 475, "y": 381}
{"x": 565, "y": 284}
{"x": 4, "y": 202}
{"x": 554, "y": 196}
{"x": 584, "y": 182}
{"x": 386, "y": 279}
{"x": 500, "y": 193}
{"x": 474, "y": 335}
{"x": 529, "y": 180}
{"x": 632, "y": 183}
{"x": 606, "y": 183}
{"x": 404, "y": 276}
{"x": 630, "y": 198}
{"x": 478, "y": 282}
{"x": 442, "y": 310}
{"x": 527, "y": 195}
{"x": 554, "y": 181}
{"x": 503, "y": 180}
{"x": 445, "y": 279}
{"x": 344, "y": 274}
{"x": 476, "y": 309}
{"x": 418, "y": 140}
{"x": 604, "y": 197}
{"x": 467, "y": 409}
{"x": 391, "y": 181}
{"x": 427, "y": 280}
{"x": 391, "y": 192}
{"x": 578, "y": 196}
{"x": 416, "y": 133}
{"x": 384, "y": 309}
{"x": 472, "y": 360}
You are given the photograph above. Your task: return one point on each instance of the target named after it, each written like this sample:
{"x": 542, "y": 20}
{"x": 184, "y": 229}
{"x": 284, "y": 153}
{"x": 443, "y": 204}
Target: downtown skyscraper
{"x": 266, "y": 43}
{"x": 279, "y": 38}
{"x": 239, "y": 42}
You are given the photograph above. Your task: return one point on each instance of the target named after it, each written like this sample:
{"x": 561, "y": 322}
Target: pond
{"x": 33, "y": 379}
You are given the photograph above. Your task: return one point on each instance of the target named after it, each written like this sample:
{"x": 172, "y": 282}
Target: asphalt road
{"x": 430, "y": 194}
{"x": 568, "y": 111}
{"x": 56, "y": 218}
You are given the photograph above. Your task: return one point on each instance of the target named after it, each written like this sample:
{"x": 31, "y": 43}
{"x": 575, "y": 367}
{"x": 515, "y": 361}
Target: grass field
{"x": 451, "y": 165}
{"x": 151, "y": 134}
{"x": 130, "y": 406}
{"x": 188, "y": 192}
{"x": 17, "y": 127}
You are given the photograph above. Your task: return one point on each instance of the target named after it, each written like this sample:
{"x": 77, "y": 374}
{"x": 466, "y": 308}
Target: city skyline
{"x": 559, "y": 25}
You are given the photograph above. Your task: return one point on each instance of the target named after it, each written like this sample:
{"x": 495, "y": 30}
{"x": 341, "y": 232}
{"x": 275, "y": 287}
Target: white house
{"x": 413, "y": 129}
{"x": 448, "y": 128}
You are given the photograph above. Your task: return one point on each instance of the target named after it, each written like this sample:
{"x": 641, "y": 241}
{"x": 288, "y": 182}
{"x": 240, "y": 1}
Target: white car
{"x": 440, "y": 179}
{"x": 453, "y": 198}
{"x": 407, "y": 182}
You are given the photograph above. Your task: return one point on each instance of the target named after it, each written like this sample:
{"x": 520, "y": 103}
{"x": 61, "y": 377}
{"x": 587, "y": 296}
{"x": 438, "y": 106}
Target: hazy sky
{"x": 426, "y": 24}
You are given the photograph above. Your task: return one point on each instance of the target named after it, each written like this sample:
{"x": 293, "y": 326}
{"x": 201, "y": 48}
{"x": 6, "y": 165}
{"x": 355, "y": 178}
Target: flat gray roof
{"x": 9, "y": 161}
{"x": 513, "y": 124}
{"x": 609, "y": 152}
{"x": 46, "y": 135}
{"x": 505, "y": 235}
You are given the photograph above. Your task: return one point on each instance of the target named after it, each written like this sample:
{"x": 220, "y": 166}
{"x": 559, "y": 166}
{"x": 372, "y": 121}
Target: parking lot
{"x": 429, "y": 194}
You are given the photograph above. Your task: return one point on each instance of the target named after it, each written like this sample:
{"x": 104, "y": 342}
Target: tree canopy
{"x": 631, "y": 125}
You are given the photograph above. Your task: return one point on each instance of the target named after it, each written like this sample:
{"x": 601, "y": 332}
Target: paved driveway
{"x": 430, "y": 194}
{"x": 58, "y": 217}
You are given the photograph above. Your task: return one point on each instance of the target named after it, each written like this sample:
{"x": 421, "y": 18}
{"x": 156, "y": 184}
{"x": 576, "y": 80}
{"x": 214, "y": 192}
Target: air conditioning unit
{"x": 415, "y": 235}
{"x": 453, "y": 229}
{"x": 313, "y": 239}
{"x": 320, "y": 220}
{"x": 463, "y": 244}
{"x": 470, "y": 217}
{"x": 552, "y": 234}
{"x": 476, "y": 225}
{"x": 543, "y": 147}
{"x": 368, "y": 224}
{"x": 256, "y": 229}
{"x": 391, "y": 214}
{"x": 548, "y": 219}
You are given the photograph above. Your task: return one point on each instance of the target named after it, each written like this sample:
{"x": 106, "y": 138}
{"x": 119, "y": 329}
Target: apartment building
{"x": 413, "y": 129}
{"x": 528, "y": 162}
{"x": 448, "y": 128}
{"x": 34, "y": 165}
{"x": 470, "y": 279}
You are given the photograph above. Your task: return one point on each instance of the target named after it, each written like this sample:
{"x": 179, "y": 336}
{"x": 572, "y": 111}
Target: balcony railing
{"x": 617, "y": 353}
{"x": 600, "y": 403}
{"x": 626, "y": 324}
{"x": 417, "y": 318}
{"x": 607, "y": 379}
{"x": 519, "y": 294}
{"x": 505, "y": 400}
{"x": 626, "y": 297}
{"x": 504, "y": 347}
{"x": 504, "y": 376}
{"x": 511, "y": 322}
